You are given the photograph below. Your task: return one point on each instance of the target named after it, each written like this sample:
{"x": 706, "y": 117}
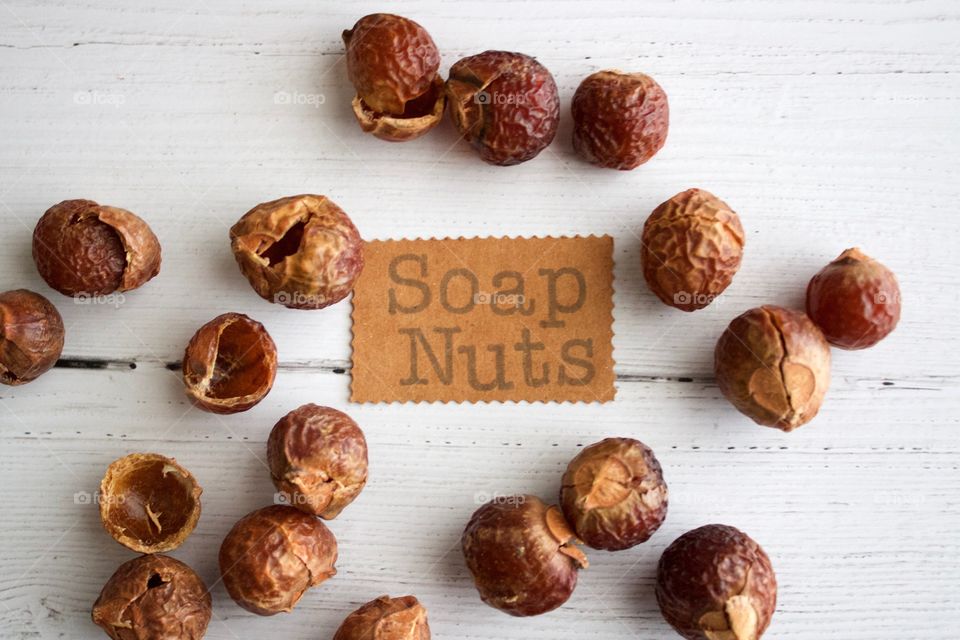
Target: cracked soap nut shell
{"x": 230, "y": 364}
{"x": 31, "y": 336}
{"x": 854, "y": 300}
{"x": 153, "y": 597}
{"x": 773, "y": 365}
{"x": 522, "y": 555}
{"x": 148, "y": 502}
{"x": 302, "y": 251}
{"x": 82, "y": 248}
{"x": 504, "y": 104}
{"x": 318, "y": 459}
{"x": 273, "y": 555}
{"x": 386, "y": 618}
{"x": 620, "y": 120}
{"x": 614, "y": 495}
{"x": 392, "y": 62}
{"x": 691, "y": 248}
{"x": 716, "y": 583}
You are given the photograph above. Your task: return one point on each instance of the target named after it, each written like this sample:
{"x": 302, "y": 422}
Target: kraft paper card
{"x": 484, "y": 319}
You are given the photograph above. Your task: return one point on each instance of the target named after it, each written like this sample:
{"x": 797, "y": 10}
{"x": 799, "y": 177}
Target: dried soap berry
{"x": 273, "y": 555}
{"x": 773, "y": 365}
{"x": 504, "y": 104}
{"x": 522, "y": 555}
{"x": 386, "y": 618}
{"x": 691, "y": 249}
{"x": 318, "y": 459}
{"x": 854, "y": 300}
{"x": 154, "y": 597}
{"x": 620, "y": 120}
{"x": 302, "y": 252}
{"x": 82, "y": 248}
{"x": 31, "y": 336}
{"x": 614, "y": 495}
{"x": 716, "y": 583}
{"x": 229, "y": 364}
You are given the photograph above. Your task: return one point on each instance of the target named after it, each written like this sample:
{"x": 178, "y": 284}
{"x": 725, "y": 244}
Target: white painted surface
{"x": 825, "y": 124}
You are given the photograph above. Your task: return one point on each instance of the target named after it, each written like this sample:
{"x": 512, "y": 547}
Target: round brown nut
{"x": 522, "y": 555}
{"x": 273, "y": 555}
{"x": 854, "y": 300}
{"x": 614, "y": 495}
{"x": 690, "y": 249}
{"x": 620, "y": 120}
{"x": 386, "y": 618}
{"x": 82, "y": 248}
{"x": 392, "y": 62}
{"x": 302, "y": 252}
{"x": 318, "y": 459}
{"x": 31, "y": 336}
{"x": 153, "y": 597}
{"x": 716, "y": 583}
{"x": 773, "y": 365}
{"x": 229, "y": 364}
{"x": 504, "y": 104}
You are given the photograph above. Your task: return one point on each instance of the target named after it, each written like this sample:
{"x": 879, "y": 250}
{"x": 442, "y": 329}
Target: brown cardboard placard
{"x": 484, "y": 319}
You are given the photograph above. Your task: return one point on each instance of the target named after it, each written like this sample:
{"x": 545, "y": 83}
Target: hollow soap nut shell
{"x": 521, "y": 554}
{"x": 82, "y": 248}
{"x": 614, "y": 495}
{"x": 153, "y": 597}
{"x": 855, "y": 301}
{"x": 773, "y": 365}
{"x": 691, "y": 249}
{"x": 148, "y": 502}
{"x": 386, "y": 618}
{"x": 620, "y": 120}
{"x": 273, "y": 555}
{"x": 318, "y": 459}
{"x": 31, "y": 336}
{"x": 716, "y": 583}
{"x": 301, "y": 251}
{"x": 504, "y": 104}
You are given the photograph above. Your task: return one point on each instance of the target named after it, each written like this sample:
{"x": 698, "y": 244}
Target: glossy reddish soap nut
{"x": 302, "y": 251}
{"x": 386, "y": 618}
{"x": 82, "y": 248}
{"x": 273, "y": 555}
{"x": 614, "y": 495}
{"x": 504, "y": 104}
{"x": 154, "y": 597}
{"x": 318, "y": 459}
{"x": 773, "y": 365}
{"x": 716, "y": 583}
{"x": 855, "y": 301}
{"x": 31, "y": 336}
{"x": 230, "y": 364}
{"x": 620, "y": 120}
{"x": 522, "y": 555}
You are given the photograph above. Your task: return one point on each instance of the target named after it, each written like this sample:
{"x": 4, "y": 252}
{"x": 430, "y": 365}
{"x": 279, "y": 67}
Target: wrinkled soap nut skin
{"x": 522, "y": 555}
{"x": 273, "y": 555}
{"x": 620, "y": 120}
{"x": 82, "y": 248}
{"x": 692, "y": 246}
{"x": 318, "y": 459}
{"x": 386, "y": 618}
{"x": 716, "y": 583}
{"x": 773, "y": 365}
{"x": 855, "y": 301}
{"x": 153, "y": 597}
{"x": 302, "y": 251}
{"x": 31, "y": 336}
{"x": 504, "y": 104}
{"x": 614, "y": 495}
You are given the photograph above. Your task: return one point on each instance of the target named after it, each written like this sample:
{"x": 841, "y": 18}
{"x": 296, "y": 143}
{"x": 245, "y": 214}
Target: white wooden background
{"x": 824, "y": 124}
